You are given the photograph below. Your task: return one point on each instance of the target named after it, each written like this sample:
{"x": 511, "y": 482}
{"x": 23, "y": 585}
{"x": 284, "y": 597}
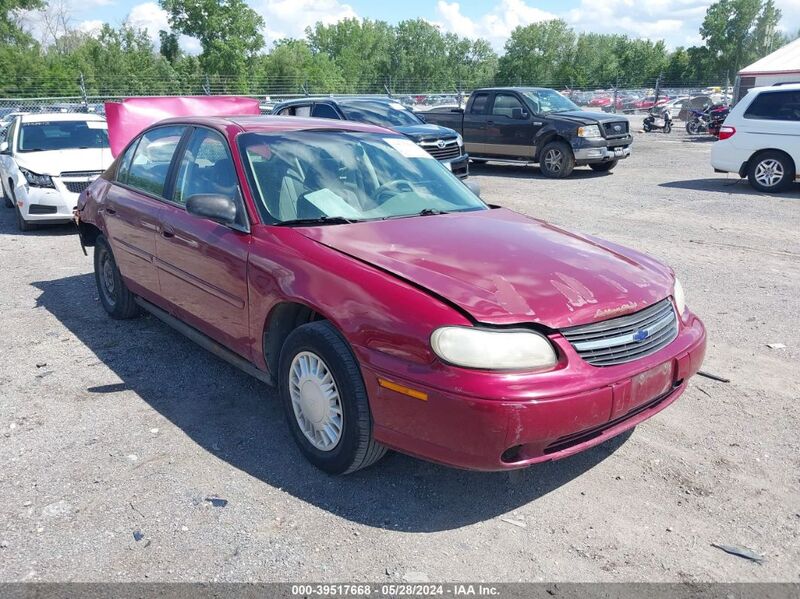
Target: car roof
{"x": 787, "y": 86}
{"x": 339, "y": 100}
{"x": 36, "y": 117}
{"x": 278, "y": 124}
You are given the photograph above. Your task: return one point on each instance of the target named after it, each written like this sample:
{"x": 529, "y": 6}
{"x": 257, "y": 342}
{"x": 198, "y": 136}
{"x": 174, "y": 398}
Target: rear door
{"x": 475, "y": 118}
{"x": 202, "y": 265}
{"x": 132, "y": 206}
{"x": 506, "y": 136}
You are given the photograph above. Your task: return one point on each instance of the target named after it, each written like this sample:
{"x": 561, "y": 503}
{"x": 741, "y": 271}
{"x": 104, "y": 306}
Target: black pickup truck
{"x": 537, "y": 125}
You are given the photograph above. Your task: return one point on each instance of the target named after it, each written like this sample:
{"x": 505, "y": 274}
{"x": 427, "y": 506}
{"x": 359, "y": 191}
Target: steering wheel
{"x": 392, "y": 188}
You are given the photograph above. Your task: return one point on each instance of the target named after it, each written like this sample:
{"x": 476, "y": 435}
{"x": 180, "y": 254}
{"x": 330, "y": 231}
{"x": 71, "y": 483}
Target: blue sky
{"x": 676, "y": 21}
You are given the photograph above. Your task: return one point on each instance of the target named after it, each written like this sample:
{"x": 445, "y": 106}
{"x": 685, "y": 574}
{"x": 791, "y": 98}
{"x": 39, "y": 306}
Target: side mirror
{"x": 220, "y": 209}
{"x": 4, "y": 148}
{"x": 518, "y": 114}
{"x": 473, "y": 186}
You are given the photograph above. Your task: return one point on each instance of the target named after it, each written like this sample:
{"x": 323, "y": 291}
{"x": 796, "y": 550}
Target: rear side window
{"x": 151, "y": 159}
{"x": 775, "y": 106}
{"x": 479, "y": 104}
{"x": 324, "y": 111}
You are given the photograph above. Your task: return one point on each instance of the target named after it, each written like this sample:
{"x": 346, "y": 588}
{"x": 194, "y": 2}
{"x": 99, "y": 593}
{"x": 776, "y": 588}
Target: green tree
{"x": 737, "y": 32}
{"x": 229, "y": 32}
{"x": 168, "y": 46}
{"x": 292, "y": 67}
{"x": 538, "y": 54}
{"x": 418, "y": 57}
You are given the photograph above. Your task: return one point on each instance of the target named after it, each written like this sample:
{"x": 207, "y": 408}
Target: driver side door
{"x": 510, "y": 137}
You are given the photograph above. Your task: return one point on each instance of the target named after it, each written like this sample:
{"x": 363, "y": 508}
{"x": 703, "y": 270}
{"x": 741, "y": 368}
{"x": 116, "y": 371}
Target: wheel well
{"x": 282, "y": 320}
{"x": 543, "y": 142}
{"x": 89, "y": 233}
{"x": 746, "y": 165}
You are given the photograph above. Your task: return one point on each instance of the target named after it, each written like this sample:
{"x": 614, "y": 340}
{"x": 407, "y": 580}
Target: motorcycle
{"x": 708, "y": 120}
{"x": 656, "y": 120}
{"x": 697, "y": 123}
{"x": 716, "y": 119}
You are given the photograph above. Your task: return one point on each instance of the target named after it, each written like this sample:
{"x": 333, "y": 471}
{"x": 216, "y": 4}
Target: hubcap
{"x": 769, "y": 172}
{"x": 553, "y": 160}
{"x": 315, "y": 400}
{"x": 107, "y": 277}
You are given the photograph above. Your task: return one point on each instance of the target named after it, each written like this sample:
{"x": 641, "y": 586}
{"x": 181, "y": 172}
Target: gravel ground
{"x": 116, "y": 431}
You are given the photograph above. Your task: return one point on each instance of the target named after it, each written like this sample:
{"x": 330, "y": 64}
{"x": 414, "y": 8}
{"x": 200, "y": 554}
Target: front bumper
{"x": 501, "y": 421}
{"x": 595, "y": 151}
{"x": 46, "y": 205}
{"x": 458, "y": 166}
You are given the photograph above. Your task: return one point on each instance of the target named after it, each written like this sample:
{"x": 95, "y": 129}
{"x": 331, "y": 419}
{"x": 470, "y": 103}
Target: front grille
{"x": 76, "y": 174}
{"x": 76, "y": 186}
{"x": 41, "y": 209}
{"x": 611, "y": 129}
{"x": 615, "y": 341}
{"x": 450, "y": 149}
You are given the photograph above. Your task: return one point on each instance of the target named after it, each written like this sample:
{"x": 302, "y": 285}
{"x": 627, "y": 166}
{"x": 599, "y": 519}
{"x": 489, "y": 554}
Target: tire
{"x": 771, "y": 171}
{"x": 693, "y": 128}
{"x": 22, "y": 224}
{"x": 556, "y": 160}
{"x": 667, "y": 127}
{"x": 7, "y": 197}
{"x": 646, "y": 127}
{"x": 318, "y": 350}
{"x": 604, "y": 167}
{"x": 116, "y": 298}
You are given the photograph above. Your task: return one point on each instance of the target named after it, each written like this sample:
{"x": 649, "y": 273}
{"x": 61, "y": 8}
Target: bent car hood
{"x": 502, "y": 267}
{"x": 55, "y": 162}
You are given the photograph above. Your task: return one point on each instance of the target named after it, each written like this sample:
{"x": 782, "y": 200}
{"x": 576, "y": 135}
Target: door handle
{"x": 490, "y": 122}
{"x": 167, "y": 232}
{"x": 110, "y": 210}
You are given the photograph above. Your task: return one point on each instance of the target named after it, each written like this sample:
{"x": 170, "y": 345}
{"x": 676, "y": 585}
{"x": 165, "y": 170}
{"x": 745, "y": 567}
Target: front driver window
{"x": 206, "y": 169}
{"x": 150, "y": 165}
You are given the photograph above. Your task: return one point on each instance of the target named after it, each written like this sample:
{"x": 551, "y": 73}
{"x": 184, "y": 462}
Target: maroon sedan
{"x": 390, "y": 306}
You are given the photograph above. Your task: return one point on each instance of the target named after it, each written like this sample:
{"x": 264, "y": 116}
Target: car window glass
{"x": 324, "y": 111}
{"x": 286, "y": 111}
{"x": 151, "y": 160}
{"x": 206, "y": 168}
{"x": 479, "y": 104}
{"x": 504, "y": 105}
{"x": 302, "y": 111}
{"x": 10, "y": 133}
{"x": 125, "y": 164}
{"x": 775, "y": 106}
{"x": 42, "y": 136}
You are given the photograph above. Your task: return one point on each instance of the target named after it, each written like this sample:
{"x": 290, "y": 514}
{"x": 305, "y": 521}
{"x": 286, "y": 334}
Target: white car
{"x": 760, "y": 138}
{"x": 47, "y": 160}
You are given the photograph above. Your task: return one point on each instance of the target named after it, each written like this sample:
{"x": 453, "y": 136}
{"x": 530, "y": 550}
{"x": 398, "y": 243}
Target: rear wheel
{"x": 115, "y": 296}
{"x": 326, "y": 401}
{"x": 603, "y": 167}
{"x": 771, "y": 172}
{"x": 693, "y": 127}
{"x": 557, "y": 160}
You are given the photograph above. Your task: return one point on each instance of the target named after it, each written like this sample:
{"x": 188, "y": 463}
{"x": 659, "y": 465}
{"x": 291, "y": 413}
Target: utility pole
{"x": 82, "y": 83}
{"x": 614, "y": 99}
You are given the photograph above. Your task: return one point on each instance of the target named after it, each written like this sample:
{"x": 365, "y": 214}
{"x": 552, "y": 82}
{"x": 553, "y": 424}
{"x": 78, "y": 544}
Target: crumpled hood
{"x": 502, "y": 267}
{"x": 426, "y": 132}
{"x": 55, "y": 162}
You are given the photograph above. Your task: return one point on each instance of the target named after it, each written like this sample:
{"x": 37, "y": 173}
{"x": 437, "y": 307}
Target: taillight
{"x": 726, "y": 132}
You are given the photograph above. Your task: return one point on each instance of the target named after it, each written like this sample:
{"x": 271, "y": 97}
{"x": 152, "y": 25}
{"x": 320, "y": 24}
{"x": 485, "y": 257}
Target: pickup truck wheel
{"x": 557, "y": 160}
{"x": 604, "y": 167}
{"x": 116, "y": 298}
{"x": 326, "y": 401}
{"x": 771, "y": 171}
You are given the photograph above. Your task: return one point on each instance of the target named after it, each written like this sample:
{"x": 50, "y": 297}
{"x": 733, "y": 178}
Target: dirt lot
{"x": 112, "y": 432}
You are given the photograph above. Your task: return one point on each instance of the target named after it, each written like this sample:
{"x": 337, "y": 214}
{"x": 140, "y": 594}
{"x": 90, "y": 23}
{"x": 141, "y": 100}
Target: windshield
{"x": 382, "y": 114}
{"x": 62, "y": 135}
{"x": 549, "y": 100}
{"x": 319, "y": 175}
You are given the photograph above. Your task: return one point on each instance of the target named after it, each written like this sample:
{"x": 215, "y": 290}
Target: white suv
{"x": 760, "y": 139}
{"x": 47, "y": 160}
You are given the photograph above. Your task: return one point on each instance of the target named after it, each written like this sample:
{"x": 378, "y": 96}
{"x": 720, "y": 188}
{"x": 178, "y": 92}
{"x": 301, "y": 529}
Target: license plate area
{"x": 619, "y": 151}
{"x": 643, "y": 388}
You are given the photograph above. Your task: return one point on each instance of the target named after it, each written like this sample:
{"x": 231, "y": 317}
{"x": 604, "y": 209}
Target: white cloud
{"x": 496, "y": 24}
{"x": 92, "y": 27}
{"x": 289, "y": 18}
{"x": 151, "y": 17}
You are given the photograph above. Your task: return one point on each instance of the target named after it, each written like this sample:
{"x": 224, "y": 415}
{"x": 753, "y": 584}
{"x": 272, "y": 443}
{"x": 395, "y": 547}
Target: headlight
{"x": 35, "y": 180}
{"x": 460, "y": 140}
{"x": 589, "y": 131}
{"x": 679, "y": 297}
{"x": 493, "y": 349}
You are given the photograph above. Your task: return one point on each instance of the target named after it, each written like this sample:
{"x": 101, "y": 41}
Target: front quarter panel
{"x": 382, "y": 317}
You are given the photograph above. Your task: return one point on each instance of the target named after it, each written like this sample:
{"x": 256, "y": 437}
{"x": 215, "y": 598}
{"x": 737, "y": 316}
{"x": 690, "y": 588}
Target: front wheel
{"x": 115, "y": 296}
{"x": 771, "y": 172}
{"x": 693, "y": 127}
{"x": 646, "y": 126}
{"x": 557, "y": 160}
{"x": 604, "y": 167}
{"x": 325, "y": 400}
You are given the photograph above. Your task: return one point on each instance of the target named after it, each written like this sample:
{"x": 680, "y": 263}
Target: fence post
{"x": 207, "y": 86}
{"x": 82, "y": 83}
{"x": 614, "y": 99}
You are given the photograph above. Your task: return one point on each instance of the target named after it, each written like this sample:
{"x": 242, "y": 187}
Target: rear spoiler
{"x": 130, "y": 117}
